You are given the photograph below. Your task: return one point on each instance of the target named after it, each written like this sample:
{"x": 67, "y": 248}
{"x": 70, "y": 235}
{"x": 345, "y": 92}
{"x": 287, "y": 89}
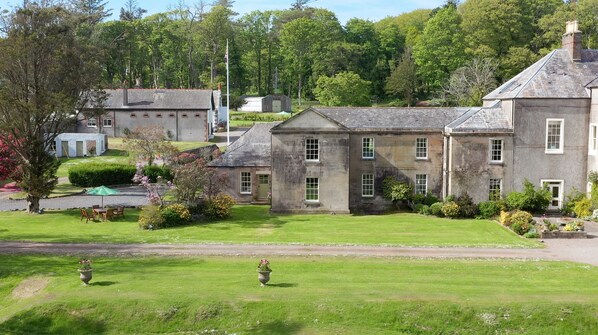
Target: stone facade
{"x": 185, "y": 115}
{"x": 540, "y": 126}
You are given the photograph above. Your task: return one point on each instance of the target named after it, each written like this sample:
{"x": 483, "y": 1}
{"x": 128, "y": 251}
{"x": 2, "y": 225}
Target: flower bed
{"x": 564, "y": 234}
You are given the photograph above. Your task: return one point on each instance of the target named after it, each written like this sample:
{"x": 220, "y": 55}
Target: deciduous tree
{"x": 440, "y": 50}
{"x": 345, "y": 89}
{"x": 149, "y": 143}
{"x": 41, "y": 64}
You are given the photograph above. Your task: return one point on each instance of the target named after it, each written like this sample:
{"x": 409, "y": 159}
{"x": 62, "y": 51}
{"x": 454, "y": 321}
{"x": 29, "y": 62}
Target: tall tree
{"x": 344, "y": 89}
{"x": 131, "y": 11}
{"x": 297, "y": 39}
{"x": 403, "y": 79}
{"x": 469, "y": 84}
{"x": 94, "y": 10}
{"x": 41, "y": 61}
{"x": 216, "y": 28}
{"x": 440, "y": 50}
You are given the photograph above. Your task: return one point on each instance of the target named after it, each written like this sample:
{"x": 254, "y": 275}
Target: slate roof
{"x": 408, "y": 119}
{"x": 554, "y": 76}
{"x": 161, "y": 99}
{"x": 253, "y": 148}
{"x": 482, "y": 120}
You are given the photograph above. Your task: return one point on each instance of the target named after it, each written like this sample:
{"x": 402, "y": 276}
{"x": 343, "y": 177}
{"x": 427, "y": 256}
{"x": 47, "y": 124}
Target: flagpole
{"x": 227, "y": 99}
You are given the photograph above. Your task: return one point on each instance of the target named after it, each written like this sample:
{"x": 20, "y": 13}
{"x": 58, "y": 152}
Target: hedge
{"x": 92, "y": 175}
{"x": 155, "y": 171}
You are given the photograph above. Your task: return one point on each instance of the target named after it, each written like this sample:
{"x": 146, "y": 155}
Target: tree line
{"x": 454, "y": 53}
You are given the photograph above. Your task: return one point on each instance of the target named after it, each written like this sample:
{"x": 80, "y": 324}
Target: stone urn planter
{"x": 85, "y": 270}
{"x": 85, "y": 276}
{"x": 263, "y": 277}
{"x": 263, "y": 271}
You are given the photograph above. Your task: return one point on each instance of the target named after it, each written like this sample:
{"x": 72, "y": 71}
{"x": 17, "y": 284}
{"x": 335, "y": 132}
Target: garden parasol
{"x": 102, "y": 190}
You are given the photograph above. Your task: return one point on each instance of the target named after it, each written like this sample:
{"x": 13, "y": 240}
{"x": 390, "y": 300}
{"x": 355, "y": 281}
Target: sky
{"x": 373, "y": 10}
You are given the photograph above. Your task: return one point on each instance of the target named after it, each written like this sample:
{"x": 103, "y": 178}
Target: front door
{"x": 79, "y": 148}
{"x": 276, "y": 106}
{"x": 556, "y": 193}
{"x": 263, "y": 187}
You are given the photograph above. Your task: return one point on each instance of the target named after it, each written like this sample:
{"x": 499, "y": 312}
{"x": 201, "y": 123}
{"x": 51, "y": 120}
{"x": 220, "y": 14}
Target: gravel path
{"x": 583, "y": 251}
{"x": 128, "y": 196}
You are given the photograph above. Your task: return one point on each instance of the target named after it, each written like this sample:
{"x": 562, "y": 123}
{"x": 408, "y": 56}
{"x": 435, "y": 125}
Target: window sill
{"x": 367, "y": 158}
{"x": 496, "y": 163}
{"x": 554, "y": 152}
{"x": 427, "y": 159}
{"x": 242, "y": 193}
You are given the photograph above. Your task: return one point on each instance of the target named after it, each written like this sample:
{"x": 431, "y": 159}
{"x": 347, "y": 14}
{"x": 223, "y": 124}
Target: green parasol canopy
{"x": 102, "y": 190}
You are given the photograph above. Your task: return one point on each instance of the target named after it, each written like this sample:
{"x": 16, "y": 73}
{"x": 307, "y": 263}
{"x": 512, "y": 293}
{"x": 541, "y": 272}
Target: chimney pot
{"x": 572, "y": 40}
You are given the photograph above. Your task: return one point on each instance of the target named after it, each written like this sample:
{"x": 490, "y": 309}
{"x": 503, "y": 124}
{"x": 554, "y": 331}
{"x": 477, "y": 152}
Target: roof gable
{"x": 309, "y": 119}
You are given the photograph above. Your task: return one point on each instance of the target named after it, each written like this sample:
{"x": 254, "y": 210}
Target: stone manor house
{"x": 542, "y": 125}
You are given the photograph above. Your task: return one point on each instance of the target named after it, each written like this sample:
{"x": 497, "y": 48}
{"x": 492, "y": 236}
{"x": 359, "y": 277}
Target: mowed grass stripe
{"x": 254, "y": 224}
{"x": 316, "y": 295}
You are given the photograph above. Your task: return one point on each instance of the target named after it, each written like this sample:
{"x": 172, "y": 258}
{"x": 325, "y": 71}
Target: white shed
{"x": 81, "y": 145}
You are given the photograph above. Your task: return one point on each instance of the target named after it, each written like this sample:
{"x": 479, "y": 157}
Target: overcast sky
{"x": 374, "y": 10}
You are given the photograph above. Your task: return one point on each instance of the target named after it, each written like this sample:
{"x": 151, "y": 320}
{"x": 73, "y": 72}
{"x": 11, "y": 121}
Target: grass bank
{"x": 254, "y": 224}
{"x": 216, "y": 295}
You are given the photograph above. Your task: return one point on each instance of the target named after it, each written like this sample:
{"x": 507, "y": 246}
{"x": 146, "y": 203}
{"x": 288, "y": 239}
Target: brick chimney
{"x": 125, "y": 93}
{"x": 572, "y": 41}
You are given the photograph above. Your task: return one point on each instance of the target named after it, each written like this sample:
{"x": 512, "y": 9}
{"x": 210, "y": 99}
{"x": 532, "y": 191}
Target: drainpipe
{"x": 445, "y": 167}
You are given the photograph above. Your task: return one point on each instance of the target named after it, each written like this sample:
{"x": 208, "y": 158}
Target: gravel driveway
{"x": 582, "y": 251}
{"x": 128, "y": 196}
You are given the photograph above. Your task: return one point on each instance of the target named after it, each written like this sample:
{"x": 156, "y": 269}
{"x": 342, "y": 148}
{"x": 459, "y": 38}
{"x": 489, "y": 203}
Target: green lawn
{"x": 217, "y": 295}
{"x": 254, "y": 224}
{"x": 113, "y": 156}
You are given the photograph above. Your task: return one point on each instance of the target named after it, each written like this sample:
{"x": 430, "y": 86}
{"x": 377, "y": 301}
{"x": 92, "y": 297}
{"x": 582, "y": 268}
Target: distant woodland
{"x": 451, "y": 55}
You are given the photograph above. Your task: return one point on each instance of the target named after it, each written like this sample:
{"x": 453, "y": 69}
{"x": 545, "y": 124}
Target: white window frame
{"x": 419, "y": 141}
{"x": 309, "y": 149}
{"x": 367, "y": 185}
{"x": 107, "y": 125}
{"x": 367, "y": 151}
{"x": 92, "y": 122}
{"x": 560, "y": 150}
{"x": 317, "y": 194}
{"x": 491, "y": 151}
{"x": 418, "y": 184}
{"x": 245, "y": 177}
{"x": 593, "y": 136}
{"x": 491, "y": 195}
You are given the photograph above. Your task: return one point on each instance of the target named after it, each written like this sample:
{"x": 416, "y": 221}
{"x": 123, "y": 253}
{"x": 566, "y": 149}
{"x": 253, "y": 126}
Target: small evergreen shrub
{"x": 175, "y": 215}
{"x": 488, "y": 209}
{"x": 154, "y": 171}
{"x": 436, "y": 209}
{"x": 427, "y": 199}
{"x": 450, "y": 209}
{"x": 219, "y": 206}
{"x": 421, "y": 209}
{"x": 571, "y": 199}
{"x": 467, "y": 209}
{"x": 505, "y": 218}
{"x": 521, "y": 222}
{"x": 583, "y": 208}
{"x": 151, "y": 218}
{"x": 92, "y": 175}
{"x": 534, "y": 200}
